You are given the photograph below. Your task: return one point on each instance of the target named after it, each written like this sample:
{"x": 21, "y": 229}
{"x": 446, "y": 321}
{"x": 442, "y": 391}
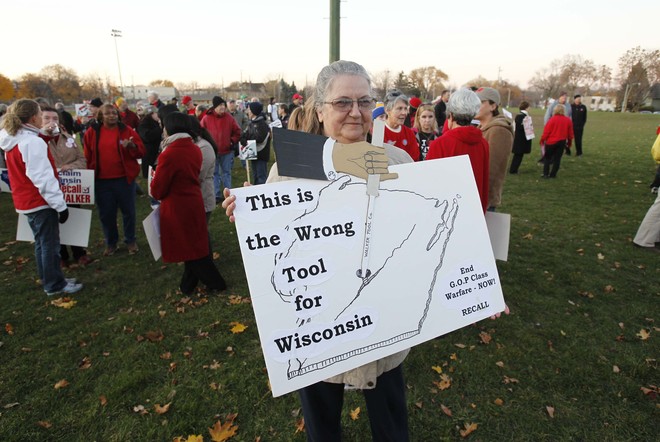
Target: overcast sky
{"x": 219, "y": 41}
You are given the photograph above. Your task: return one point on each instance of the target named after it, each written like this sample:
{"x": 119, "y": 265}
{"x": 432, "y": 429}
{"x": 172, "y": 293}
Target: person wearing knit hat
{"x": 187, "y": 101}
{"x": 94, "y": 106}
{"x": 226, "y": 133}
{"x": 414, "y": 102}
{"x": 259, "y": 131}
{"x": 378, "y": 113}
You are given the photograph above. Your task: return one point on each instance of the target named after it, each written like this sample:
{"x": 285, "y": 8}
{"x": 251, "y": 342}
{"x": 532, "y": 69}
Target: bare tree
{"x": 382, "y": 82}
{"x": 428, "y": 80}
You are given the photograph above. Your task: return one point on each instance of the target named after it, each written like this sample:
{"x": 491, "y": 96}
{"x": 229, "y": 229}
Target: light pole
{"x": 117, "y": 33}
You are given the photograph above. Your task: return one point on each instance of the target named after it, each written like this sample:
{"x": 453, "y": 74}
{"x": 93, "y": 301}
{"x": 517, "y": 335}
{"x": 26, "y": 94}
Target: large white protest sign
{"x": 74, "y": 232}
{"x": 430, "y": 270}
{"x": 77, "y": 186}
{"x": 151, "y": 225}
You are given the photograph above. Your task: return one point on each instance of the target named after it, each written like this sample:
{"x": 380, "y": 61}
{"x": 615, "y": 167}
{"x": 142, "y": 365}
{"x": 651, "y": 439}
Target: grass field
{"x": 575, "y": 361}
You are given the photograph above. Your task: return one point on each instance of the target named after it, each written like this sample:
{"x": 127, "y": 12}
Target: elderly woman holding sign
{"x": 340, "y": 108}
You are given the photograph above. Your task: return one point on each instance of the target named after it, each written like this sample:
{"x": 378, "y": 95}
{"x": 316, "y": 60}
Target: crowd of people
{"x": 191, "y": 150}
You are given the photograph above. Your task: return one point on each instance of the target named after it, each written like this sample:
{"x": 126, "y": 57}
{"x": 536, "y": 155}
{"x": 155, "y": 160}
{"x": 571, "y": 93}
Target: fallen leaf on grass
{"x": 453, "y": 357}
{"x": 586, "y": 294}
{"x": 216, "y": 255}
{"x": 621, "y": 325}
{"x": 601, "y": 256}
{"x": 446, "y": 410}
{"x": 162, "y": 410}
{"x": 140, "y": 410}
{"x": 508, "y": 380}
{"x": 9, "y": 328}
{"x": 469, "y": 428}
{"x": 460, "y": 345}
{"x": 485, "y": 337}
{"x": 215, "y": 365}
{"x": 498, "y": 401}
{"x": 85, "y": 363}
{"x": 166, "y": 356}
{"x": 64, "y": 302}
{"x": 162, "y": 313}
{"x": 419, "y": 405}
{"x": 437, "y": 369}
{"x": 643, "y": 334}
{"x": 237, "y": 327}
{"x": 191, "y": 438}
{"x": 500, "y": 364}
{"x": 616, "y": 369}
{"x": 300, "y": 425}
{"x": 103, "y": 400}
{"x": 61, "y": 384}
{"x": 444, "y": 383}
{"x": 221, "y": 432}
{"x": 528, "y": 236}
{"x": 651, "y": 392}
{"x": 16, "y": 404}
{"x": 154, "y": 336}
{"x": 550, "y": 410}
{"x": 355, "y": 414}
{"x": 44, "y": 424}
{"x": 609, "y": 289}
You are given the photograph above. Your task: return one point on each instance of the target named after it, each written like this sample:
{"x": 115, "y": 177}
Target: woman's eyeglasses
{"x": 346, "y": 104}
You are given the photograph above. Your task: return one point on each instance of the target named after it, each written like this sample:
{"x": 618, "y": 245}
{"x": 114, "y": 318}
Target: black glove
{"x": 64, "y": 215}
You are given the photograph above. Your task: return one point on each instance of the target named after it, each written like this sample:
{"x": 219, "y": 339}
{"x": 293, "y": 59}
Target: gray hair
{"x": 327, "y": 76}
{"x": 463, "y": 105}
{"x": 153, "y": 94}
{"x": 394, "y": 95}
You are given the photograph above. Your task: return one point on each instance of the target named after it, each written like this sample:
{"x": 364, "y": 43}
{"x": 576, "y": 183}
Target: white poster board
{"x": 4, "y": 180}
{"x": 151, "y": 225}
{"x": 249, "y": 151}
{"x": 499, "y": 228}
{"x": 74, "y": 232}
{"x": 321, "y": 310}
{"x": 77, "y": 186}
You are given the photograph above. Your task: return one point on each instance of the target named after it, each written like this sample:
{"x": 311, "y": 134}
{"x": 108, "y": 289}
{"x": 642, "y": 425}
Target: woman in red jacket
{"x": 396, "y": 134}
{"x": 557, "y": 137}
{"x": 183, "y": 230}
{"x": 112, "y": 150}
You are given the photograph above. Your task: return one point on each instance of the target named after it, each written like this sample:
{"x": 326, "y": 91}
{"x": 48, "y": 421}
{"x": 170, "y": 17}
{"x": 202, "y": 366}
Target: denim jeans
{"x": 113, "y": 194}
{"x": 222, "y": 171}
{"x": 260, "y": 171}
{"x": 46, "y": 229}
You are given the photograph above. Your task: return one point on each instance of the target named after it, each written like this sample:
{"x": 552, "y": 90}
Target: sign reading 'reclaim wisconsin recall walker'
{"x": 333, "y": 290}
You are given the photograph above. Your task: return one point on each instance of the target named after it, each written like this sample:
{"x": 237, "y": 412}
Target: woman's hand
{"x": 229, "y": 203}
{"x": 506, "y": 312}
{"x": 129, "y": 144}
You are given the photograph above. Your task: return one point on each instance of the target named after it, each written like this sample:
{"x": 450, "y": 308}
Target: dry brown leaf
{"x": 601, "y": 257}
{"x": 499, "y": 402}
{"x": 528, "y": 236}
{"x": 508, "y": 380}
{"x": 154, "y": 335}
{"x": 16, "y": 404}
{"x": 446, "y": 410}
{"x": 162, "y": 313}
{"x": 485, "y": 337}
{"x": 621, "y": 325}
{"x": 453, "y": 357}
{"x": 216, "y": 255}
{"x": 85, "y": 363}
{"x": 237, "y": 327}
{"x": 44, "y": 424}
{"x": 616, "y": 369}
{"x": 214, "y": 386}
{"x": 215, "y": 365}
{"x": 500, "y": 364}
{"x": 469, "y": 428}
{"x": 609, "y": 289}
{"x": 643, "y": 334}
{"x": 103, "y": 400}
{"x": 300, "y": 425}
{"x": 355, "y": 414}
{"x": 140, "y": 410}
{"x": 221, "y": 432}
{"x": 162, "y": 410}
{"x": 550, "y": 410}
{"x": 460, "y": 345}
{"x": 9, "y": 328}
{"x": 191, "y": 438}
{"x": 61, "y": 384}
{"x": 166, "y": 356}
{"x": 437, "y": 369}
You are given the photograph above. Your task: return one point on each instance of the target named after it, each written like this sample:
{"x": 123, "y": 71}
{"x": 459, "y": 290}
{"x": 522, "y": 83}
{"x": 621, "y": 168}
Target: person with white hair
{"x": 462, "y": 138}
{"x": 396, "y": 133}
{"x": 152, "y": 96}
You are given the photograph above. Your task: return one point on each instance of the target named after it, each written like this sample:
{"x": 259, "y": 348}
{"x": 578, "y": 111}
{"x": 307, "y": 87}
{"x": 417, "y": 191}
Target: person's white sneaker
{"x": 69, "y": 289}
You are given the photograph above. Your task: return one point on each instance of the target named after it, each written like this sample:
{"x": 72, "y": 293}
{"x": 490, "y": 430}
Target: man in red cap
{"x": 297, "y": 102}
{"x": 186, "y": 100}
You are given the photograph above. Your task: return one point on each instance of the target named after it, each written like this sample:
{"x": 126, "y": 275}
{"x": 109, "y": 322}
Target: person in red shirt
{"x": 127, "y": 116}
{"x": 396, "y": 134}
{"x": 112, "y": 149}
{"x": 187, "y": 101}
{"x": 464, "y": 139}
{"x": 557, "y": 137}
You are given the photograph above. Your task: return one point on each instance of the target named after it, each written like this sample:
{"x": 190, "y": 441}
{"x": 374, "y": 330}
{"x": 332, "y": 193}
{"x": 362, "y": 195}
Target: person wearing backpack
{"x": 259, "y": 131}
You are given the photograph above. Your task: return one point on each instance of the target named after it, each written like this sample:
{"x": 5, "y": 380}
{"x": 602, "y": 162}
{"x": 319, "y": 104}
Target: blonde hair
{"x": 425, "y": 108}
{"x": 18, "y": 114}
{"x": 297, "y": 119}
{"x": 559, "y": 110}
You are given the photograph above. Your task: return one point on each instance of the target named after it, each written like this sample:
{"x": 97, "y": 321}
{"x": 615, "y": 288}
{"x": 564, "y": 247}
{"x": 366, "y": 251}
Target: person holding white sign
{"x": 67, "y": 155}
{"x": 340, "y": 108}
{"x": 36, "y": 191}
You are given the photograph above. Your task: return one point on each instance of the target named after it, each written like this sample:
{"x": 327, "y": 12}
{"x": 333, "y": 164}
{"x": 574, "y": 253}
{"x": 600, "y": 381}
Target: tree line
{"x": 637, "y": 71}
